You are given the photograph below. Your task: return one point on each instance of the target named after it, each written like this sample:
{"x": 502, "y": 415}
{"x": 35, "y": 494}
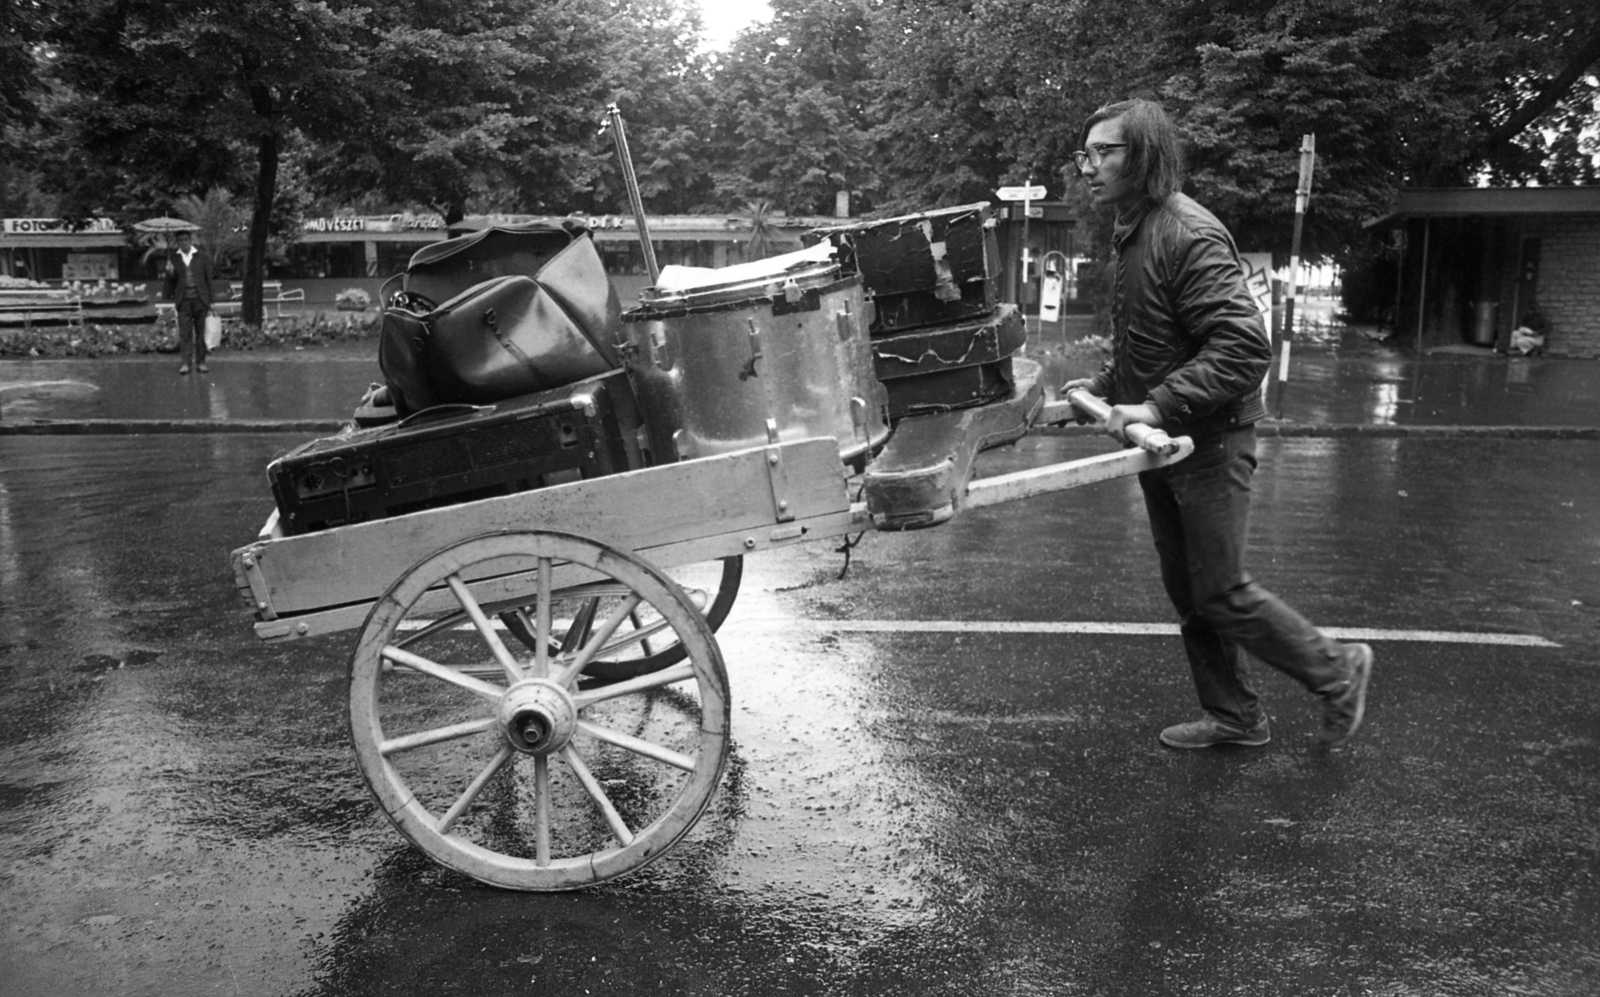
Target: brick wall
{"x": 1569, "y": 282}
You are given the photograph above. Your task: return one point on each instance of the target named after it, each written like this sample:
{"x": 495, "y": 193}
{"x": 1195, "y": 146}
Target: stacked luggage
{"x": 941, "y": 339}
{"x": 502, "y": 374}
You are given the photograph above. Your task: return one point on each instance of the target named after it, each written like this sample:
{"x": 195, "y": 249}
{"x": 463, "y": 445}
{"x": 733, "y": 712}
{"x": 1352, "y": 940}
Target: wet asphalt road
{"x": 908, "y": 811}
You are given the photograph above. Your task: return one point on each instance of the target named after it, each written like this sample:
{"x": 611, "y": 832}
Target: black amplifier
{"x": 919, "y": 270}
{"x": 459, "y": 453}
{"x": 952, "y": 388}
{"x": 934, "y": 349}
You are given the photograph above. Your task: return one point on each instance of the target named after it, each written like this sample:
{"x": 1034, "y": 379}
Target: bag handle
{"x": 444, "y": 411}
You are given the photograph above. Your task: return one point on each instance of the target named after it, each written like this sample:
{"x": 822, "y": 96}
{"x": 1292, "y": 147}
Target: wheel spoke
{"x": 541, "y": 630}
{"x": 443, "y": 623}
{"x": 607, "y": 628}
{"x": 638, "y": 746}
{"x": 423, "y": 738}
{"x": 655, "y": 680}
{"x": 582, "y": 626}
{"x": 486, "y": 629}
{"x": 541, "y": 810}
{"x": 443, "y": 673}
{"x": 475, "y": 787}
{"x": 644, "y": 642}
{"x": 641, "y": 636}
{"x": 619, "y": 830}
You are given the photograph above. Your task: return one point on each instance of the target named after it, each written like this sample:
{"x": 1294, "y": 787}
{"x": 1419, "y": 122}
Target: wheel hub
{"x": 538, "y": 717}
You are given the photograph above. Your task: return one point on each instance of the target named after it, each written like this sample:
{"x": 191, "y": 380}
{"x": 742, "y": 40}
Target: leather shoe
{"x": 1208, "y": 732}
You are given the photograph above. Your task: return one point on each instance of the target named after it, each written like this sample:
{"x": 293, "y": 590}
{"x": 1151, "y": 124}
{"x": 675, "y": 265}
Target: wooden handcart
{"x": 537, "y": 698}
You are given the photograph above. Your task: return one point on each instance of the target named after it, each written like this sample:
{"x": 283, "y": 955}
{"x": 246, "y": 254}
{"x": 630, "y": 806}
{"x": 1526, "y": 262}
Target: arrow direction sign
{"x": 1033, "y": 192}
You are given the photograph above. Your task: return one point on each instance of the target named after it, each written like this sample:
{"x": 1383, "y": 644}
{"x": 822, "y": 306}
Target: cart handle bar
{"x": 1147, "y": 437}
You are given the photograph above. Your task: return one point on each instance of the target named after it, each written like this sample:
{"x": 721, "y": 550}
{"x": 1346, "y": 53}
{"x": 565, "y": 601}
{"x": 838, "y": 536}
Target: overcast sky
{"x": 724, "y": 18}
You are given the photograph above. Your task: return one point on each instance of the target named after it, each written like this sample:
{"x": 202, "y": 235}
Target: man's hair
{"x": 1154, "y": 155}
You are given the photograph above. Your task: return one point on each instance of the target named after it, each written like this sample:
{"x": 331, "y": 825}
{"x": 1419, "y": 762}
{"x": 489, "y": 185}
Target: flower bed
{"x": 95, "y": 340}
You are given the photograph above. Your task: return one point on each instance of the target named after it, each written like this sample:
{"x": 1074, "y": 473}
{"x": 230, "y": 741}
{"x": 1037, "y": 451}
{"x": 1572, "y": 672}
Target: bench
{"x": 272, "y": 293}
{"x": 42, "y": 303}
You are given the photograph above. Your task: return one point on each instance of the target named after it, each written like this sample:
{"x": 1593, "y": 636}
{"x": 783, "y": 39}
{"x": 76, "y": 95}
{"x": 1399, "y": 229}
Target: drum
{"x": 766, "y": 357}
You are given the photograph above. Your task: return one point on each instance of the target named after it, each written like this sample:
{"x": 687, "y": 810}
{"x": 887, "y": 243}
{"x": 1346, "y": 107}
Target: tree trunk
{"x": 255, "y": 258}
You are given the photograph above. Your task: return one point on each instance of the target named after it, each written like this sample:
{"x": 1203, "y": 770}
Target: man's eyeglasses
{"x": 1096, "y": 153}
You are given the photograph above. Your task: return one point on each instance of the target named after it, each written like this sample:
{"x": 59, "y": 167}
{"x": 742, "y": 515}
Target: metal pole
{"x": 1422, "y": 283}
{"x": 1302, "y": 197}
{"x": 1022, "y": 281}
{"x": 614, "y": 122}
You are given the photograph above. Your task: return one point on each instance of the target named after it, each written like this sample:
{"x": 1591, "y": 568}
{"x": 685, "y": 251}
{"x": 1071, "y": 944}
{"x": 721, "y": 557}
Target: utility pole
{"x": 1302, "y": 197}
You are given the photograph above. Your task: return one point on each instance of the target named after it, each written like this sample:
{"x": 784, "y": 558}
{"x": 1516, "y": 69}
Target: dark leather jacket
{"x": 1187, "y": 336}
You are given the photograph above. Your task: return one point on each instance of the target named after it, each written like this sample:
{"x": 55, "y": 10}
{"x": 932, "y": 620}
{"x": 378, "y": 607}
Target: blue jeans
{"x": 1199, "y": 515}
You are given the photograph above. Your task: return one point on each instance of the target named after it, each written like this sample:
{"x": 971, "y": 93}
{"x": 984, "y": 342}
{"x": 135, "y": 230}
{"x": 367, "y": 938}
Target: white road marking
{"x": 1127, "y": 629}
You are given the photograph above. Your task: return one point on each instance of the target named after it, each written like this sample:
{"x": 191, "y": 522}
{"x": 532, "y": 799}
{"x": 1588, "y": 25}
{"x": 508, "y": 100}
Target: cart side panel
{"x": 634, "y": 510}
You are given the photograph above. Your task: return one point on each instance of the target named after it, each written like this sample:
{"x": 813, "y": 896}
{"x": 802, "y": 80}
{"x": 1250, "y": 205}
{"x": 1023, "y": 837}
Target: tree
{"x": 160, "y": 100}
{"x": 482, "y": 104}
{"x": 790, "y": 123}
{"x": 653, "y": 71}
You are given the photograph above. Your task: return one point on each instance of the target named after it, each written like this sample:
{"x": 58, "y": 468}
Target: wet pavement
{"x": 317, "y": 389}
{"x": 944, "y": 776}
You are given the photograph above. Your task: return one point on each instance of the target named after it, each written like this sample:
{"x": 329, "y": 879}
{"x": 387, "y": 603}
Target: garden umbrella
{"x": 165, "y": 225}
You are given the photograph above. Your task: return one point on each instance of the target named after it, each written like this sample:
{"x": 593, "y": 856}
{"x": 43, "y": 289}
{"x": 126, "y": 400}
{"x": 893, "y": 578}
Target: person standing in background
{"x": 1189, "y": 354}
{"x": 188, "y": 287}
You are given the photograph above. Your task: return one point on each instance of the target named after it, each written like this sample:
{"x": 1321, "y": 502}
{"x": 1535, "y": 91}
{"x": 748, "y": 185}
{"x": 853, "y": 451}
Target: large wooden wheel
{"x": 497, "y": 764}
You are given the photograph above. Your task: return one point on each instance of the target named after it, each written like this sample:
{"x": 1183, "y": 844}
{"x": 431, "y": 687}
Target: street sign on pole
{"x": 1302, "y": 197}
{"x": 1030, "y": 192}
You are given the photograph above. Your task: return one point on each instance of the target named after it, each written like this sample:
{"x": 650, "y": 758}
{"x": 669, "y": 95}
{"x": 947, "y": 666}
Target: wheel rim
{"x": 496, "y": 763}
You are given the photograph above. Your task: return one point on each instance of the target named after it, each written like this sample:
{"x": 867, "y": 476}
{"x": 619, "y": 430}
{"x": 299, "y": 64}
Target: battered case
{"x": 458, "y": 453}
{"x": 926, "y": 269}
{"x": 964, "y": 344}
{"x": 958, "y": 387}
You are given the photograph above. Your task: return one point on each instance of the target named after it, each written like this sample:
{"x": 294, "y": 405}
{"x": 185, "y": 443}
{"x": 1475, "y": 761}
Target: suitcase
{"x": 497, "y": 314}
{"x": 926, "y": 269}
{"x": 942, "y": 391}
{"x": 453, "y": 454}
{"x": 496, "y": 340}
{"x": 964, "y": 344}
{"x": 440, "y": 271}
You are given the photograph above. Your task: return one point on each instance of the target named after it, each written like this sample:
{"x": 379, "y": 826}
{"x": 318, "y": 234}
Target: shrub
{"x": 96, "y": 340}
{"x": 352, "y": 299}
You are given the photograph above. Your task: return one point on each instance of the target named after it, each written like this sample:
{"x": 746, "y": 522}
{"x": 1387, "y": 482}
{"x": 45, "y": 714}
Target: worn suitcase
{"x": 942, "y": 391}
{"x": 458, "y": 453}
{"x": 500, "y": 339}
{"x": 444, "y": 342}
{"x": 442, "y": 270}
{"x": 944, "y": 347}
{"x": 926, "y": 269}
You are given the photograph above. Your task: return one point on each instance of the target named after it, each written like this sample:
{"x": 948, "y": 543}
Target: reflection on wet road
{"x": 914, "y": 810}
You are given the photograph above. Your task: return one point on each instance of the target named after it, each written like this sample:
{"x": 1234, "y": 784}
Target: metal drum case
{"x": 775, "y": 357}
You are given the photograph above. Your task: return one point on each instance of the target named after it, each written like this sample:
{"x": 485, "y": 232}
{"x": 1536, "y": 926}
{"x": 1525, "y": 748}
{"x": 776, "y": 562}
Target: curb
{"x": 150, "y": 427}
{"x": 1264, "y": 430}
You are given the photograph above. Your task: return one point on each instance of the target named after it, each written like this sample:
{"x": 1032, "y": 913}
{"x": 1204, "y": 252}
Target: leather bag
{"x": 503, "y": 335}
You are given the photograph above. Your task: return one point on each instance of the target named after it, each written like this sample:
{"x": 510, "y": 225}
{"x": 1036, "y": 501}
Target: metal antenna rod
{"x": 614, "y": 122}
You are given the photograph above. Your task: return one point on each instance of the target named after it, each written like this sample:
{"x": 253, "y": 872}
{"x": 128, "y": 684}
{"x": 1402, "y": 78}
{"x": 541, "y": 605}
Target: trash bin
{"x": 1483, "y": 317}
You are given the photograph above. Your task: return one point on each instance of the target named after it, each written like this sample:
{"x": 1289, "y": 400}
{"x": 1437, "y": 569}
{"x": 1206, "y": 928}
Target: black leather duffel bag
{"x": 497, "y": 314}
